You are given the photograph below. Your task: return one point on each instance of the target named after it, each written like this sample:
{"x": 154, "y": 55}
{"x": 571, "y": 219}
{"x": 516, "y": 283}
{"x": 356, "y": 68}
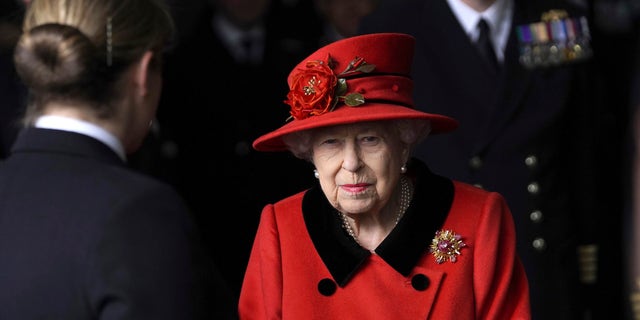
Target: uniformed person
{"x": 528, "y": 130}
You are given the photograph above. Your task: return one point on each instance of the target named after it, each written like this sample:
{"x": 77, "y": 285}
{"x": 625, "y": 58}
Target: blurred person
{"x": 215, "y": 92}
{"x": 530, "y": 130}
{"x": 616, "y": 45}
{"x": 183, "y": 13}
{"x": 11, "y": 13}
{"x": 341, "y": 18}
{"x": 12, "y": 91}
{"x": 82, "y": 236}
{"x": 632, "y": 161}
{"x": 379, "y": 235}
{"x": 632, "y": 283}
{"x": 11, "y": 16}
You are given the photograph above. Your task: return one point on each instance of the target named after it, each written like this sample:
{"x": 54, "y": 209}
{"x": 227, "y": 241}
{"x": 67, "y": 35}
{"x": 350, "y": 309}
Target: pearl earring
{"x": 403, "y": 169}
{"x": 316, "y": 174}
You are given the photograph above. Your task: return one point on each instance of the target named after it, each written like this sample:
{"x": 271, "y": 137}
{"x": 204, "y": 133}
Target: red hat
{"x": 357, "y": 79}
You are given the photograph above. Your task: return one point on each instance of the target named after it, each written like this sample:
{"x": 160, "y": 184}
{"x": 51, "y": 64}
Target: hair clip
{"x": 109, "y": 42}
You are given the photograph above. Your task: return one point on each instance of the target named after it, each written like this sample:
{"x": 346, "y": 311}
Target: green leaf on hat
{"x": 354, "y": 99}
{"x": 366, "y": 68}
{"x": 341, "y": 87}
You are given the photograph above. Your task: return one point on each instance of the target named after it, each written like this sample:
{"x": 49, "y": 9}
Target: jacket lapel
{"x": 403, "y": 247}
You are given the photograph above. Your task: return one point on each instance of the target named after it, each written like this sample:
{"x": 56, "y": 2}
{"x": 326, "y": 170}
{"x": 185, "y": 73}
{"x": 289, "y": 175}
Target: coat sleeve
{"x": 261, "y": 293}
{"x": 501, "y": 285}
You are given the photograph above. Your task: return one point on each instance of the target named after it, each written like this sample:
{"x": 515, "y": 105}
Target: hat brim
{"x": 272, "y": 141}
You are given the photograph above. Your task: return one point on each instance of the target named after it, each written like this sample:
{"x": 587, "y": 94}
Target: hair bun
{"x": 55, "y": 58}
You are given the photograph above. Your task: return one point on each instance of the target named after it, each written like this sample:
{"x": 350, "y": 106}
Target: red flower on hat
{"x": 316, "y": 89}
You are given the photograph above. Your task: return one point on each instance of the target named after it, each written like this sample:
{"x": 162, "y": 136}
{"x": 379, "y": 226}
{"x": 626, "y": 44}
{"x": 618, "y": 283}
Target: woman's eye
{"x": 330, "y": 141}
{"x": 369, "y": 139}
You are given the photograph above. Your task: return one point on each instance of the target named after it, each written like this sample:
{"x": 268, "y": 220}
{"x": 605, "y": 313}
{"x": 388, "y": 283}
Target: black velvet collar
{"x": 406, "y": 243}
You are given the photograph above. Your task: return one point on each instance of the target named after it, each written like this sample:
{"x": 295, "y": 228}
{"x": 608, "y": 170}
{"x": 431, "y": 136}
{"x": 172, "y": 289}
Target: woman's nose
{"x": 351, "y": 161}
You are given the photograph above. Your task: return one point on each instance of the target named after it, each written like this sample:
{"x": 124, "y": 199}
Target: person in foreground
{"x": 82, "y": 236}
{"x": 380, "y": 236}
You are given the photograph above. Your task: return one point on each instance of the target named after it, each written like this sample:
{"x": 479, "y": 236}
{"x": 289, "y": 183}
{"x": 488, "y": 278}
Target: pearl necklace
{"x": 405, "y": 200}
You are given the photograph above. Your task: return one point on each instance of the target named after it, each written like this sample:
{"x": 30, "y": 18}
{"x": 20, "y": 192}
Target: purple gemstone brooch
{"x": 446, "y": 245}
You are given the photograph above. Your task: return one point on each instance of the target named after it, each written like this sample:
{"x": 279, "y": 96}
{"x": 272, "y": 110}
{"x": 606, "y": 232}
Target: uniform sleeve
{"x": 501, "y": 285}
{"x": 261, "y": 293}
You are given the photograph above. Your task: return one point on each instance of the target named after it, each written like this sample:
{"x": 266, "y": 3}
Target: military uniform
{"x": 529, "y": 132}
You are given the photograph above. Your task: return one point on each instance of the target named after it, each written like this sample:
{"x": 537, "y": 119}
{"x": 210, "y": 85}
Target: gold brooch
{"x": 446, "y": 246}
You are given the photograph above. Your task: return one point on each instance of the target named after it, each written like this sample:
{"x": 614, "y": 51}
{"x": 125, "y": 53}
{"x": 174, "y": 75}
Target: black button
{"x": 326, "y": 287}
{"x": 420, "y": 282}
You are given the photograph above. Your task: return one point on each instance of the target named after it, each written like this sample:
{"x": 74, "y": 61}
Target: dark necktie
{"x": 247, "y": 46}
{"x": 485, "y": 47}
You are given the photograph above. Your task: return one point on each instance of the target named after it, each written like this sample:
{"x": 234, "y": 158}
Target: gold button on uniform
{"x": 475, "y": 162}
{"x": 533, "y": 188}
{"x": 539, "y": 244}
{"x": 531, "y": 161}
{"x": 536, "y": 216}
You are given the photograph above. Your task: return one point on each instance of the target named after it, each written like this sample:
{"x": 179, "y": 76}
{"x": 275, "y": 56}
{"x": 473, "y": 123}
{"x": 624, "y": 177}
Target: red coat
{"x": 304, "y": 266}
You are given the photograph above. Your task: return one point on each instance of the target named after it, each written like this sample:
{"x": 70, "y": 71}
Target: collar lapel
{"x": 404, "y": 246}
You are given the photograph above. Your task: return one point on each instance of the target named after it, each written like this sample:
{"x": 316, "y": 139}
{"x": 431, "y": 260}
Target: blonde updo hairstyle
{"x": 73, "y": 51}
{"x": 410, "y": 132}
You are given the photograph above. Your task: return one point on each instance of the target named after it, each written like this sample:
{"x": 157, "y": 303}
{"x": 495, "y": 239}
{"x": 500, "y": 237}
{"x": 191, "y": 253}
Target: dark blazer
{"x": 84, "y": 237}
{"x": 529, "y": 134}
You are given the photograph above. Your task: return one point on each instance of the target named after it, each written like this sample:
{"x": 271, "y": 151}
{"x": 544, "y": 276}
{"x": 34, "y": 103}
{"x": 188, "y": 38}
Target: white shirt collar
{"x": 82, "y": 127}
{"x": 498, "y": 16}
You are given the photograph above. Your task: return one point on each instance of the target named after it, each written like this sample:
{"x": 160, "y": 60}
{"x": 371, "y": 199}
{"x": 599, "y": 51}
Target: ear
{"x": 141, "y": 73}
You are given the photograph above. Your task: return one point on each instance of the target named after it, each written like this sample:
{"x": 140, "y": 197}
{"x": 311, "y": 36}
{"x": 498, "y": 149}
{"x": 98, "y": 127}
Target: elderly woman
{"x": 381, "y": 237}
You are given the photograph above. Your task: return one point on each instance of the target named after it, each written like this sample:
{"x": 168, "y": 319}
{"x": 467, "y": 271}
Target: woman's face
{"x": 358, "y": 164}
